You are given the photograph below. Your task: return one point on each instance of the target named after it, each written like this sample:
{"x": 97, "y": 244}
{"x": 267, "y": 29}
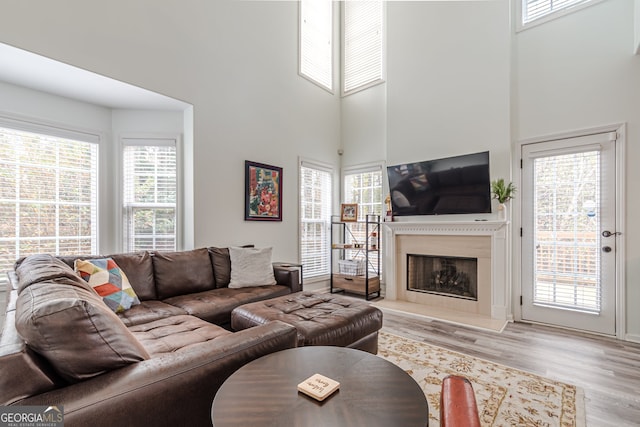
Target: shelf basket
{"x": 351, "y": 267}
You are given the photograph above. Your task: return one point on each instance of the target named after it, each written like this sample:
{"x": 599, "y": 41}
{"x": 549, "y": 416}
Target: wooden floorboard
{"x": 608, "y": 370}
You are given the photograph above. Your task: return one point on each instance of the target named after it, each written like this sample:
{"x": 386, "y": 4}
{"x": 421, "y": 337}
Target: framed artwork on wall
{"x": 263, "y": 192}
{"x": 349, "y": 212}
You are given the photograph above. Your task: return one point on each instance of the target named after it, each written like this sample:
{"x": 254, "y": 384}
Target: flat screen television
{"x": 452, "y": 185}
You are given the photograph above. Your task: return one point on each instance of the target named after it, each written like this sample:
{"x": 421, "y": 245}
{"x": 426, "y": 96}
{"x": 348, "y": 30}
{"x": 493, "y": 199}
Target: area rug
{"x": 505, "y": 396}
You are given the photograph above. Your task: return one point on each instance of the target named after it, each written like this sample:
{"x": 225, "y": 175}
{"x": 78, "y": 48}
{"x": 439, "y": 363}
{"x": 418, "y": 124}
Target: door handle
{"x": 607, "y": 233}
{"x": 606, "y": 249}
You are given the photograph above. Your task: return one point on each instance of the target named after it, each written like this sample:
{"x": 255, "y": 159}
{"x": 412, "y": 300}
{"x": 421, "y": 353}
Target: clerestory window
{"x": 316, "y": 42}
{"x": 538, "y": 11}
{"x": 362, "y": 43}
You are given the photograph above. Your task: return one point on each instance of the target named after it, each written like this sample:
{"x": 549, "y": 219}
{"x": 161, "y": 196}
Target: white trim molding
{"x": 498, "y": 231}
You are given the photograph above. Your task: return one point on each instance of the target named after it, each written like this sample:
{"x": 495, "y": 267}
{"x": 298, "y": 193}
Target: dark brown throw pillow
{"x": 181, "y": 273}
{"x": 75, "y": 331}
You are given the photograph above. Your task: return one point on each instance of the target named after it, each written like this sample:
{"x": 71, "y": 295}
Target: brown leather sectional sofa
{"x": 158, "y": 363}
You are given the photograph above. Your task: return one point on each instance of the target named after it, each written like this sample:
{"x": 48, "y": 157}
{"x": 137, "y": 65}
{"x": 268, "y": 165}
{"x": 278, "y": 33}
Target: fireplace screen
{"x": 449, "y": 276}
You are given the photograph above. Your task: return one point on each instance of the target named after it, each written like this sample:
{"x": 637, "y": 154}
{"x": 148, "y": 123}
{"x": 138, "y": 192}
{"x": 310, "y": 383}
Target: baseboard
{"x": 632, "y": 337}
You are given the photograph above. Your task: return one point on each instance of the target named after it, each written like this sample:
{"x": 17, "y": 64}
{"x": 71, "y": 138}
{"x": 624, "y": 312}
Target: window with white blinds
{"x": 363, "y": 186}
{"x": 567, "y": 232}
{"x": 316, "y": 41}
{"x": 533, "y": 10}
{"x": 315, "y": 218}
{"x": 48, "y": 193}
{"x": 150, "y": 194}
{"x": 362, "y": 45}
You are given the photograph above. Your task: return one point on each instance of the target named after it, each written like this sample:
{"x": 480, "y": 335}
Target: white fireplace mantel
{"x": 500, "y": 255}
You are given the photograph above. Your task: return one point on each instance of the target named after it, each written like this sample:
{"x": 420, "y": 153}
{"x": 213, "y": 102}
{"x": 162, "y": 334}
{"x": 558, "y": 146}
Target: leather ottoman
{"x": 321, "y": 319}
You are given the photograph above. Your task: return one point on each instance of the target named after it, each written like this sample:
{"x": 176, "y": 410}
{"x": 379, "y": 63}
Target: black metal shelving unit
{"x": 359, "y": 241}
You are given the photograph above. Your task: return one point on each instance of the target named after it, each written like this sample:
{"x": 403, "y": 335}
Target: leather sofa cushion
{"x": 44, "y": 267}
{"x": 96, "y": 343}
{"x": 216, "y": 305}
{"x": 180, "y": 273}
{"x": 176, "y": 333}
{"x": 221, "y": 262}
{"x": 148, "y": 311}
{"x": 23, "y": 373}
{"x": 139, "y": 270}
{"x": 137, "y": 266}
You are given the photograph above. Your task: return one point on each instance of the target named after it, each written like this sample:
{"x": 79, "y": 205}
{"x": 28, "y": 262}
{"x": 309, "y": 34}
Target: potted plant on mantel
{"x": 503, "y": 193}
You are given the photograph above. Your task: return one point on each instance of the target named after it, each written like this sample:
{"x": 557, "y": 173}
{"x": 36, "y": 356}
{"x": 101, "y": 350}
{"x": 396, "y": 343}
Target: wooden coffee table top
{"x": 373, "y": 392}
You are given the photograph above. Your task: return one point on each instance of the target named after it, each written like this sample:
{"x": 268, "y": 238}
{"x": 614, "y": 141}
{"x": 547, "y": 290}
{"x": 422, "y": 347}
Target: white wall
{"x": 636, "y": 42}
{"x": 234, "y": 61}
{"x": 449, "y": 81}
{"x": 579, "y": 72}
{"x": 364, "y": 126}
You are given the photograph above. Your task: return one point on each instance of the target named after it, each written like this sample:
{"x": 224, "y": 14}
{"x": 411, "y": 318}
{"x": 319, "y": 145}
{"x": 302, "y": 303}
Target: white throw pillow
{"x": 251, "y": 267}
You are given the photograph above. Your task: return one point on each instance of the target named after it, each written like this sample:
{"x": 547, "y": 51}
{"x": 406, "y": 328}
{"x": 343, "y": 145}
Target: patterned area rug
{"x": 505, "y": 396}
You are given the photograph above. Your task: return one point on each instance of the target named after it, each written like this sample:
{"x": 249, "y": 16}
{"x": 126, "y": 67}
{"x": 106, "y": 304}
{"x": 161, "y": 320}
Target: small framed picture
{"x": 349, "y": 212}
{"x": 263, "y": 192}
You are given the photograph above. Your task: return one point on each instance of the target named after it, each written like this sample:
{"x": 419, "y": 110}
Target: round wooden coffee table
{"x": 373, "y": 392}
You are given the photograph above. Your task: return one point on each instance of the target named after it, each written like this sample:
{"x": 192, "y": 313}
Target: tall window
{"x": 316, "y": 41}
{"x": 150, "y": 194}
{"x": 315, "y": 218}
{"x": 362, "y": 45}
{"x": 364, "y": 187}
{"x": 48, "y": 193}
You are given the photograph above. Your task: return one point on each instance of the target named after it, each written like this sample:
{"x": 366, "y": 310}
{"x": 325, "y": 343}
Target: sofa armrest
{"x": 288, "y": 276}
{"x": 170, "y": 390}
{"x": 458, "y": 403}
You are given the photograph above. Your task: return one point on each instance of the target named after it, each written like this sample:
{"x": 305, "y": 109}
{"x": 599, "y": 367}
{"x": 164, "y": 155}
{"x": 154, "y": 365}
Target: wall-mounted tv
{"x": 452, "y": 185}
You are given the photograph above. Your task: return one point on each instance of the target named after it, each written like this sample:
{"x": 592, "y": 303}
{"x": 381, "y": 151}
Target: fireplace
{"x": 455, "y": 277}
{"x": 435, "y": 244}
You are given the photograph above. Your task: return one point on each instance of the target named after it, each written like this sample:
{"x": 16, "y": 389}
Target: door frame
{"x": 516, "y": 220}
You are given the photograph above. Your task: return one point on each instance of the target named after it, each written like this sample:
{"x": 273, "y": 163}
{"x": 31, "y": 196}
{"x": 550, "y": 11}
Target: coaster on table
{"x": 318, "y": 386}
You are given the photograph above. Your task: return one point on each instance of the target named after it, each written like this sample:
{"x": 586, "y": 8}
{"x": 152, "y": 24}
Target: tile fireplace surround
{"x": 485, "y": 240}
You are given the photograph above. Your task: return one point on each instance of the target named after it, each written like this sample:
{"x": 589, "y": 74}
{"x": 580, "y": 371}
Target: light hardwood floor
{"x": 608, "y": 370}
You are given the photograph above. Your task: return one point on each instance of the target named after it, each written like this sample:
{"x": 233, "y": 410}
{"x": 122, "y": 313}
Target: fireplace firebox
{"x": 455, "y": 277}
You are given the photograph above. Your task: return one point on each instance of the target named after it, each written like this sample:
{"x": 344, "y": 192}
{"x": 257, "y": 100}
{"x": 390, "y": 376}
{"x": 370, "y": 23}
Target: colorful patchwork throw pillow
{"x": 109, "y": 281}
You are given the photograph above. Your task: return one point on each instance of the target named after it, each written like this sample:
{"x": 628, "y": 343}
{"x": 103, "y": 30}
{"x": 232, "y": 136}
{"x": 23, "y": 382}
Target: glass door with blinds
{"x": 569, "y": 233}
